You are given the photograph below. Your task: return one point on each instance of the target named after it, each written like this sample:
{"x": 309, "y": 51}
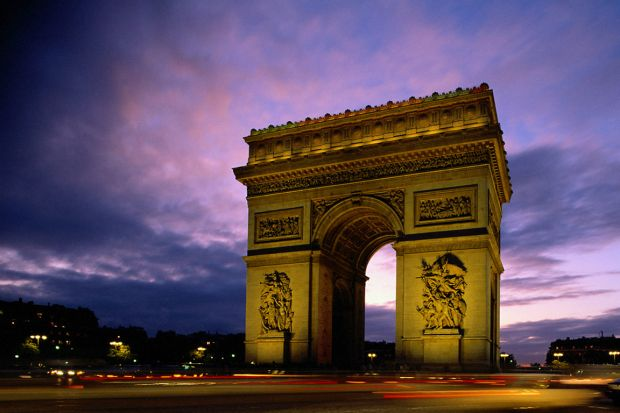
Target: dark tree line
{"x": 32, "y": 334}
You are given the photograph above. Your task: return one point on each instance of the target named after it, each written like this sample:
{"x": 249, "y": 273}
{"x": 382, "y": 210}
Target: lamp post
{"x": 372, "y": 357}
{"x": 614, "y": 354}
{"x": 558, "y": 355}
{"x": 503, "y": 357}
{"x": 38, "y": 337}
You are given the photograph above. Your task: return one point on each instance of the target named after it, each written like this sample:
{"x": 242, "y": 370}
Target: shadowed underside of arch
{"x": 357, "y": 227}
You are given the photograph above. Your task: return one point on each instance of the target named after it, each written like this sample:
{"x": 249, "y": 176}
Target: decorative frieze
{"x": 278, "y": 225}
{"x": 381, "y": 170}
{"x": 445, "y": 206}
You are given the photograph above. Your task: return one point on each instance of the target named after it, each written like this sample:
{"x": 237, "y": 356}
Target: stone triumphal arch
{"x": 427, "y": 175}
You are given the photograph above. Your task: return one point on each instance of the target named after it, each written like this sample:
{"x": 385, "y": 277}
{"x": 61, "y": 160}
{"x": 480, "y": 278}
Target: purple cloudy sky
{"x": 122, "y": 122}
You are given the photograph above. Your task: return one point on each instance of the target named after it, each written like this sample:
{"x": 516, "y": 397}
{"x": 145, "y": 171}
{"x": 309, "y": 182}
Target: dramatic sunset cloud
{"x": 122, "y": 122}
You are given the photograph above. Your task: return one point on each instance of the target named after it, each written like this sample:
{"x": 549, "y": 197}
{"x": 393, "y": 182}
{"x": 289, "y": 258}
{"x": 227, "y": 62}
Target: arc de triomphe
{"x": 427, "y": 175}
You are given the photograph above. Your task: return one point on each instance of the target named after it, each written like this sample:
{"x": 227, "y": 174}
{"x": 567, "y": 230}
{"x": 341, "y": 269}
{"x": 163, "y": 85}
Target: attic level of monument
{"x": 417, "y": 135}
{"x": 369, "y": 112}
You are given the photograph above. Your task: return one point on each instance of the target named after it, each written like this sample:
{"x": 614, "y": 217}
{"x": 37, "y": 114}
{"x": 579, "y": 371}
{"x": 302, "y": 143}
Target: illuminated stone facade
{"x": 427, "y": 175}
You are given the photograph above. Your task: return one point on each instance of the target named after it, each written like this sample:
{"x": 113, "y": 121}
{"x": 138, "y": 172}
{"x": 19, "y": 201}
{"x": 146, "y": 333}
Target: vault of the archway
{"x": 356, "y": 234}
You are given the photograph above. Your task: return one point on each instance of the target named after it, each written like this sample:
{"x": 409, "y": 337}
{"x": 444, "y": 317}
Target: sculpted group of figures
{"x": 443, "y": 305}
{"x": 276, "y": 302}
{"x": 459, "y": 206}
{"x": 278, "y": 227}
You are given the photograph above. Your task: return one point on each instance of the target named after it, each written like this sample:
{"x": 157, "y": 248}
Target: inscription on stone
{"x": 278, "y": 225}
{"x": 445, "y": 206}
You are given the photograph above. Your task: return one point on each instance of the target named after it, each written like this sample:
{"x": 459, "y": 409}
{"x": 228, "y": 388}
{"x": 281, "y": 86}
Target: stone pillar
{"x": 290, "y": 340}
{"x": 422, "y": 340}
{"x": 273, "y": 347}
{"x": 442, "y": 348}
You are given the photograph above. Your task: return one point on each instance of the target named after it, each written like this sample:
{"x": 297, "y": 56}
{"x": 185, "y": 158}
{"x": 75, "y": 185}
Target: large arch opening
{"x": 380, "y": 319}
{"x": 350, "y": 233}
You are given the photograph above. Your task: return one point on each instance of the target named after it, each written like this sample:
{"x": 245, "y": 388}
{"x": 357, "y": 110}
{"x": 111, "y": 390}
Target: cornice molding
{"x": 464, "y": 155}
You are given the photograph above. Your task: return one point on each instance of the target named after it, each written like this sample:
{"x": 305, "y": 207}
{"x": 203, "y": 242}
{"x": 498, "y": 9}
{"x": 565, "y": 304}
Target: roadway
{"x": 299, "y": 393}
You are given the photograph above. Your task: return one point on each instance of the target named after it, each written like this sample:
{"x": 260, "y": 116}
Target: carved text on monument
{"x": 276, "y": 301}
{"x": 443, "y": 305}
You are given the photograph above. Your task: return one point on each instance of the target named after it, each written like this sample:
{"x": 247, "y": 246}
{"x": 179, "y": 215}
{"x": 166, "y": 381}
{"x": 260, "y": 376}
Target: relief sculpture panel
{"x": 443, "y": 305}
{"x": 445, "y": 206}
{"x": 278, "y": 225}
{"x": 276, "y": 301}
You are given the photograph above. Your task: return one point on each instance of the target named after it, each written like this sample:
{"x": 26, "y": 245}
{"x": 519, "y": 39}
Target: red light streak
{"x": 455, "y": 394}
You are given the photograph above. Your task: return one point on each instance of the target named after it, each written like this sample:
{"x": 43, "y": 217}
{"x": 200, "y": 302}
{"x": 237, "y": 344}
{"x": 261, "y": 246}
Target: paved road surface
{"x": 358, "y": 394}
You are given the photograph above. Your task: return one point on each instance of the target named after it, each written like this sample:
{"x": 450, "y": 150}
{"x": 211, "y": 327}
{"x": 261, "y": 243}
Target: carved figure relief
{"x": 276, "y": 300}
{"x": 457, "y": 207}
{"x": 320, "y": 207}
{"x": 397, "y": 200}
{"x": 279, "y": 225}
{"x": 443, "y": 305}
{"x": 445, "y": 206}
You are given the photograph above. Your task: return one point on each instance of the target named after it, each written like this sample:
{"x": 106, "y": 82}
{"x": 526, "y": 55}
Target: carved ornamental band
{"x": 445, "y": 206}
{"x": 278, "y": 225}
{"x": 371, "y": 172}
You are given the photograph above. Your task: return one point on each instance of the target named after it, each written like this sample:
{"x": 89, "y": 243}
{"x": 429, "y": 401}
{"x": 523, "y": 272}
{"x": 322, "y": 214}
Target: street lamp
{"x": 614, "y": 354}
{"x": 38, "y": 337}
{"x": 558, "y": 355}
{"x": 372, "y": 357}
{"x": 504, "y": 356}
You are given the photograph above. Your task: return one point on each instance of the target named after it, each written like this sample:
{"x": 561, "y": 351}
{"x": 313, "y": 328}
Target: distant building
{"x": 585, "y": 350}
{"x": 29, "y": 330}
{"x": 37, "y": 335}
